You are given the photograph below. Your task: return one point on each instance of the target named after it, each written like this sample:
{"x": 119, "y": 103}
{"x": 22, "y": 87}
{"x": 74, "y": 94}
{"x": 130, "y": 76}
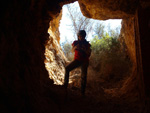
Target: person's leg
{"x": 74, "y": 64}
{"x": 84, "y": 68}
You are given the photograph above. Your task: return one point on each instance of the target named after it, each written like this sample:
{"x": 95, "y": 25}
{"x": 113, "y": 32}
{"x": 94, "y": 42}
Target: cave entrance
{"x": 114, "y": 68}
{"x": 109, "y": 63}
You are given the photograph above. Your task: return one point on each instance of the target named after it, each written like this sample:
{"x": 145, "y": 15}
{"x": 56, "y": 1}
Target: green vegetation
{"x": 108, "y": 57}
{"x": 104, "y": 48}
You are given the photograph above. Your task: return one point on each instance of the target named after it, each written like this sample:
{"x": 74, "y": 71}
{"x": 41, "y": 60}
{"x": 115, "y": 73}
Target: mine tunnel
{"x": 26, "y": 47}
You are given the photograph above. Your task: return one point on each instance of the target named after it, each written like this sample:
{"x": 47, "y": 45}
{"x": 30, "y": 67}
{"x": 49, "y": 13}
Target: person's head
{"x": 81, "y": 35}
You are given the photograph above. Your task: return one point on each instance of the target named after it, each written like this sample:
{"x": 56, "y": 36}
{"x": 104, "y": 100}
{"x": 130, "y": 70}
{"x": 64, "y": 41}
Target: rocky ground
{"x": 71, "y": 101}
{"x": 102, "y": 99}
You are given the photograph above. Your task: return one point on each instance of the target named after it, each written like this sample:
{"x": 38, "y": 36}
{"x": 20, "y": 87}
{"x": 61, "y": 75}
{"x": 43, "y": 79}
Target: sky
{"x": 65, "y": 32}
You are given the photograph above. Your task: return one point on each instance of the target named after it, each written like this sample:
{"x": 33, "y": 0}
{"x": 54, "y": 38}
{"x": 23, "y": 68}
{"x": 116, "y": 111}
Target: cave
{"x": 25, "y": 82}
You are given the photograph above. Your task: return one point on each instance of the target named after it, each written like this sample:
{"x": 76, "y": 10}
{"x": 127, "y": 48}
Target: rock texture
{"x": 24, "y": 81}
{"x": 108, "y": 9}
{"x": 55, "y": 58}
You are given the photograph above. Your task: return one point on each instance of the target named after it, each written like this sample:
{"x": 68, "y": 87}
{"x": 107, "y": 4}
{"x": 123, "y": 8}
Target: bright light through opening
{"x": 66, "y": 32}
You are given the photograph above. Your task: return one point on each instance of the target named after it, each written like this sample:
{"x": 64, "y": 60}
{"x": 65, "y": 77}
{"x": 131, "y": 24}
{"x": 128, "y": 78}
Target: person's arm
{"x": 74, "y": 47}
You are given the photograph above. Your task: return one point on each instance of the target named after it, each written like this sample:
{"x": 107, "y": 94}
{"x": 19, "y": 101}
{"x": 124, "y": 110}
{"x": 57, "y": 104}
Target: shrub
{"x": 108, "y": 59}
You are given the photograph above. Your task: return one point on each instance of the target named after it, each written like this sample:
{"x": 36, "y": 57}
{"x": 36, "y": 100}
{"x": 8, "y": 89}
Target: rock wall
{"x": 23, "y": 35}
{"x": 128, "y": 37}
{"x": 55, "y": 58}
{"x": 132, "y": 89}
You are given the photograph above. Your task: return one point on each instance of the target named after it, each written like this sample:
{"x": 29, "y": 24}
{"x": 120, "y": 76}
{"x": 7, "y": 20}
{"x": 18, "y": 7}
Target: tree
{"x": 66, "y": 46}
{"x": 113, "y": 32}
{"x": 78, "y": 21}
{"x": 99, "y": 30}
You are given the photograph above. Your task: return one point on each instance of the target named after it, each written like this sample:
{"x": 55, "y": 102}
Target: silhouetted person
{"x": 82, "y": 50}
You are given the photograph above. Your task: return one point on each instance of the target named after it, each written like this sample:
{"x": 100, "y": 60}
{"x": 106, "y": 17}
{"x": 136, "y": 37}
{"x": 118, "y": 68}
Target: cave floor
{"x": 71, "y": 101}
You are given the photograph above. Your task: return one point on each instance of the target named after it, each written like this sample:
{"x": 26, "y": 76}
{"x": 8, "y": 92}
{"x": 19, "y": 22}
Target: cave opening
{"x": 112, "y": 73}
{"x": 108, "y": 60}
{"x": 110, "y": 65}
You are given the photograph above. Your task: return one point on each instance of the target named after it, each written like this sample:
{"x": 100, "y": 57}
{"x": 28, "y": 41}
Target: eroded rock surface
{"x": 108, "y": 9}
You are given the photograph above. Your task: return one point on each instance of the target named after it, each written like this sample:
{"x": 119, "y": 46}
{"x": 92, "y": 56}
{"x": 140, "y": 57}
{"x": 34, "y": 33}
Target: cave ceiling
{"x": 108, "y": 9}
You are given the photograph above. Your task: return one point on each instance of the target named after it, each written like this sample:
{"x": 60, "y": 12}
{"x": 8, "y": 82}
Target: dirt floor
{"x": 101, "y": 95}
{"x": 71, "y": 101}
